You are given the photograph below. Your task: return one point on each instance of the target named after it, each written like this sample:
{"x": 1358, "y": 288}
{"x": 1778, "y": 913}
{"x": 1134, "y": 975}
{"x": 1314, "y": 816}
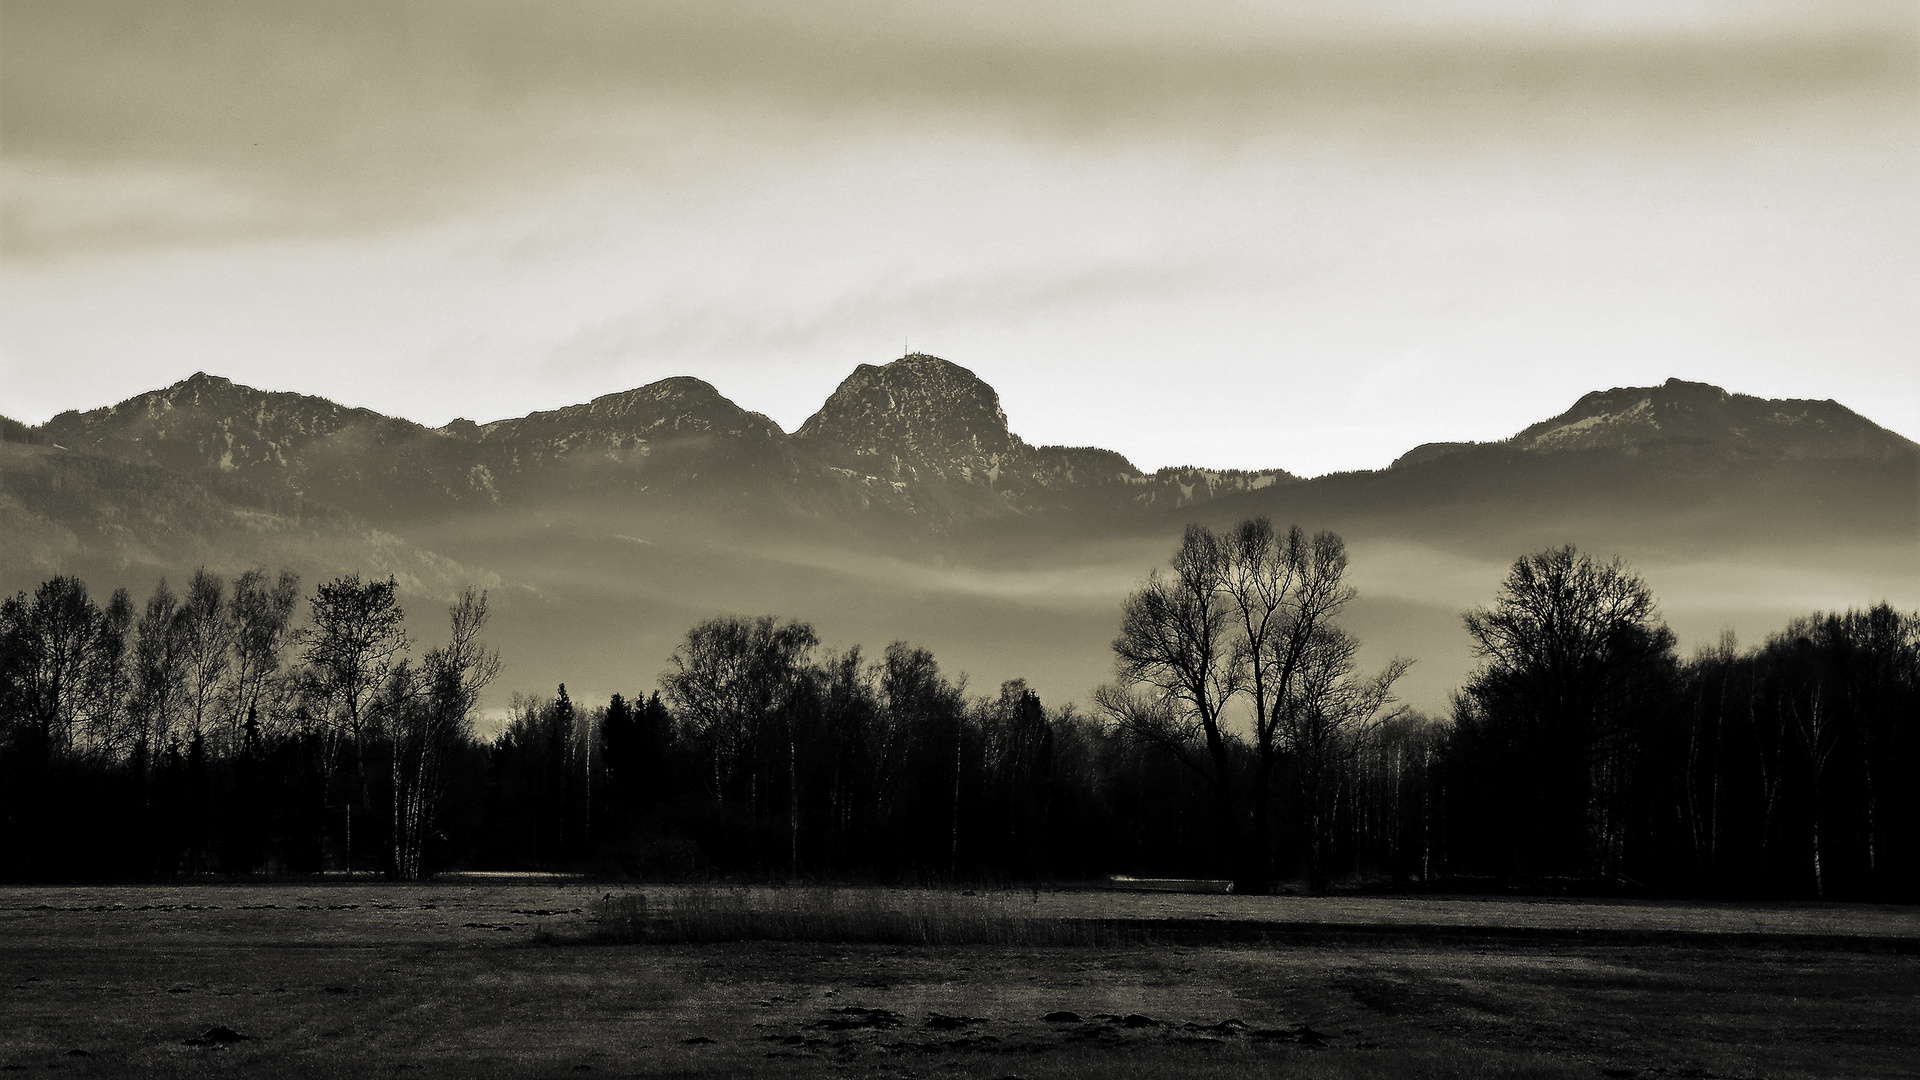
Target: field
{"x": 462, "y": 979}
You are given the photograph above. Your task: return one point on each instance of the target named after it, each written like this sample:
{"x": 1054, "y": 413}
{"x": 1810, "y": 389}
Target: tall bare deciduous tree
{"x": 158, "y": 674}
{"x": 1309, "y": 702}
{"x": 1247, "y": 613}
{"x": 353, "y": 646}
{"x": 206, "y": 641}
{"x": 1178, "y": 667}
{"x": 261, "y": 615}
{"x": 1326, "y": 717}
{"x": 60, "y": 659}
{"x": 435, "y": 722}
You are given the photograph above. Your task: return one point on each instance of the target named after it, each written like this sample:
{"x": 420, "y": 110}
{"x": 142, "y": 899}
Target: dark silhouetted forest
{"x": 246, "y": 727}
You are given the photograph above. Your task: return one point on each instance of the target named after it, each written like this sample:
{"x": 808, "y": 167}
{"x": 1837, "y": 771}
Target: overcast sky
{"x": 1308, "y": 235}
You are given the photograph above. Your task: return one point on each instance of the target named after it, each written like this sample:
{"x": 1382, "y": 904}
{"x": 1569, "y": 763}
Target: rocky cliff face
{"x": 929, "y": 423}
{"x": 917, "y": 418}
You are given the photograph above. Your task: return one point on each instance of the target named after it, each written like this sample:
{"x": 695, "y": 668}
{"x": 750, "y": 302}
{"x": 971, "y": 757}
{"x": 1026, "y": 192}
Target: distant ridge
{"x": 1678, "y": 412}
{"x": 917, "y": 439}
{"x": 920, "y": 414}
{"x": 908, "y": 507}
{"x": 917, "y": 446}
{"x": 1700, "y": 417}
{"x": 678, "y": 406}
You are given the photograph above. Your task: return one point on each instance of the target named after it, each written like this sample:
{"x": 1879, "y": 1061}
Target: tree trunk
{"x": 399, "y": 810}
{"x": 1257, "y": 873}
{"x": 1819, "y": 880}
{"x": 793, "y": 805}
{"x": 953, "y": 851}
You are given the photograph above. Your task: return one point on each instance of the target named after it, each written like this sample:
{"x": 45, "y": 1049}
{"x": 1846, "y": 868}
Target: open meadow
{"x": 458, "y": 979}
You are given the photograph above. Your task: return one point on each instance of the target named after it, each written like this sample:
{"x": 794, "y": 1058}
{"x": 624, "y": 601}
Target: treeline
{"x": 1775, "y": 770}
{"x": 204, "y": 733}
{"x": 1240, "y": 738}
{"x": 1582, "y": 754}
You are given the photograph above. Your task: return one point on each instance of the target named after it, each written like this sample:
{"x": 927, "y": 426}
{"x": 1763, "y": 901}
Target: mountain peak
{"x": 919, "y": 412}
{"x": 203, "y": 401}
{"x": 671, "y": 388}
{"x": 197, "y": 389}
{"x": 1701, "y": 415}
{"x": 676, "y": 406}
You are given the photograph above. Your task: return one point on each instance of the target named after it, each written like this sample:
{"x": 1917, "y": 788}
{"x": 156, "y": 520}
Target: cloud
{"x": 720, "y": 326}
{"x": 482, "y": 207}
{"x": 348, "y": 112}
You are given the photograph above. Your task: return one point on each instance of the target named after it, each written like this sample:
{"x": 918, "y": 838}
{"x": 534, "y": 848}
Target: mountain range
{"x": 907, "y": 507}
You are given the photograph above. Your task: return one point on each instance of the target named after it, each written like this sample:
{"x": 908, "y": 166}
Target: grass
{"x": 853, "y": 916}
{"x": 447, "y": 980}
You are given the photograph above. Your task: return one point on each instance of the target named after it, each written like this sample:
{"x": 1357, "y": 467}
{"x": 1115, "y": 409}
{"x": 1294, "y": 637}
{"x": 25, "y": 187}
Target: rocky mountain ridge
{"x": 909, "y": 509}
{"x": 922, "y": 418}
{"x": 920, "y": 444}
{"x": 920, "y": 440}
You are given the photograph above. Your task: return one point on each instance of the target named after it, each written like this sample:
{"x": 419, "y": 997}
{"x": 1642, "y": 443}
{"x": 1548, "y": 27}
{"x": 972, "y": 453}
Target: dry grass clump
{"x": 873, "y": 916}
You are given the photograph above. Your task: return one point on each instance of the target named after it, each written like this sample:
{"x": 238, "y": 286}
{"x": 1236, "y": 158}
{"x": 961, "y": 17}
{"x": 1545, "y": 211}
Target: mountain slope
{"x": 1705, "y": 422}
{"x": 908, "y": 508}
{"x": 65, "y": 512}
{"x": 680, "y": 407}
{"x": 676, "y": 439}
{"x": 377, "y": 466}
{"x": 938, "y": 428}
{"x": 1679, "y": 413}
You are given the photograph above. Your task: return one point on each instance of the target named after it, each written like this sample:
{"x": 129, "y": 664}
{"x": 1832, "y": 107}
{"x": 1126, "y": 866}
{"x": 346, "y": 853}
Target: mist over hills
{"x": 907, "y": 508}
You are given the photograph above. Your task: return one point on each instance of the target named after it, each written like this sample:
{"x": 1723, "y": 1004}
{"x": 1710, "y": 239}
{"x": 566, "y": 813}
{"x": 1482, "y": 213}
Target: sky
{"x": 1307, "y": 235}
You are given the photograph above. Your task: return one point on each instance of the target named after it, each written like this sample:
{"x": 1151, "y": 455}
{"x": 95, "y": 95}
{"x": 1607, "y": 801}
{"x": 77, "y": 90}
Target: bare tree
{"x": 1573, "y": 657}
{"x": 436, "y": 721}
{"x": 1178, "y": 666}
{"x": 206, "y": 640}
{"x": 1297, "y": 666}
{"x": 261, "y": 615}
{"x": 1323, "y": 722}
{"x": 158, "y": 673}
{"x": 113, "y": 731}
{"x": 1249, "y": 612}
{"x": 58, "y": 657}
{"x": 353, "y": 646}
{"x": 734, "y": 679}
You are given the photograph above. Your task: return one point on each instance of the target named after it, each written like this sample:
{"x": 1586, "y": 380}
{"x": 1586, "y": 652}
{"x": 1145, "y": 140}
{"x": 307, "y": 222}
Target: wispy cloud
{"x": 1377, "y": 221}
{"x": 357, "y": 110}
{"x": 674, "y": 327}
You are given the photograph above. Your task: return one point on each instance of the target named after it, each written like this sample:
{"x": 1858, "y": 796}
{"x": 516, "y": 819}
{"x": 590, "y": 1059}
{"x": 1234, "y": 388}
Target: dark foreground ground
{"x": 463, "y": 980}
